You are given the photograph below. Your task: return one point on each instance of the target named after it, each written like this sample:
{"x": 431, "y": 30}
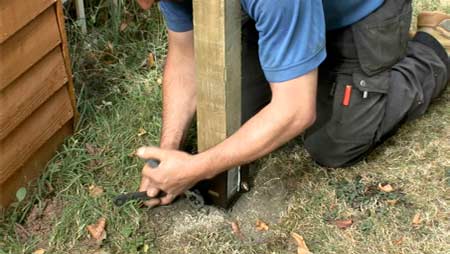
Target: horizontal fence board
{"x": 26, "y": 139}
{"x": 15, "y": 14}
{"x": 28, "y": 46}
{"x": 34, "y": 166}
{"x": 31, "y": 90}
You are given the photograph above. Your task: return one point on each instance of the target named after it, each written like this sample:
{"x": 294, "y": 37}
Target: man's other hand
{"x": 174, "y": 175}
{"x": 145, "y": 4}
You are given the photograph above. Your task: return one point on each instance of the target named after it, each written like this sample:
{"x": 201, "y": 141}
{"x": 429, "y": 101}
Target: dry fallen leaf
{"x": 39, "y": 251}
{"x": 261, "y": 225}
{"x": 97, "y": 230}
{"x": 392, "y": 202}
{"x": 385, "y": 188}
{"x": 141, "y": 132}
{"x": 416, "y": 219}
{"x": 109, "y": 46}
{"x": 399, "y": 241}
{"x": 237, "y": 230}
{"x": 95, "y": 191}
{"x": 332, "y": 206}
{"x": 145, "y": 248}
{"x": 123, "y": 26}
{"x": 343, "y": 224}
{"x": 150, "y": 60}
{"x": 301, "y": 245}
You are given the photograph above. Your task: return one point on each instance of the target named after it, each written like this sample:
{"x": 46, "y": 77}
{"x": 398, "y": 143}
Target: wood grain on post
{"x": 217, "y": 37}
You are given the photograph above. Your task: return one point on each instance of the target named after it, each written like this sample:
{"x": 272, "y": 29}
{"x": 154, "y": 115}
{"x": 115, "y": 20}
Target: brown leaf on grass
{"x": 95, "y": 191}
{"x": 141, "y": 132}
{"x": 399, "y": 241}
{"x": 150, "y": 60}
{"x": 332, "y": 206}
{"x": 343, "y": 224}
{"x": 109, "y": 47}
{"x": 97, "y": 230}
{"x": 237, "y": 230}
{"x": 261, "y": 225}
{"x": 392, "y": 202}
{"x": 385, "y": 188}
{"x": 301, "y": 245}
{"x": 123, "y": 26}
{"x": 416, "y": 220}
{"x": 39, "y": 251}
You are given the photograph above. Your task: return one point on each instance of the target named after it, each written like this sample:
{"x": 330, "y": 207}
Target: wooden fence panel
{"x": 27, "y": 46}
{"x": 28, "y": 137}
{"x": 15, "y": 14}
{"x": 31, "y": 90}
{"x": 34, "y": 166}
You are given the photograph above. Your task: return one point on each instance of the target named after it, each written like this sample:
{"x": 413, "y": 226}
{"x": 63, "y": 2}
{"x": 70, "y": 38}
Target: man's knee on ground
{"x": 333, "y": 153}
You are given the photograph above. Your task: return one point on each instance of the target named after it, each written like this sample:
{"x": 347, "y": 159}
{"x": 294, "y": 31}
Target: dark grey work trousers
{"x": 392, "y": 79}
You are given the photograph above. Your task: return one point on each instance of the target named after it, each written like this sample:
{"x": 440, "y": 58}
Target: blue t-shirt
{"x": 291, "y": 32}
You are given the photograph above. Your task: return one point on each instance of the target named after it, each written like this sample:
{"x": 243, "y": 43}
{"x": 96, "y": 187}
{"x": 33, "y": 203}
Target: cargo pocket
{"x": 382, "y": 38}
{"x": 360, "y": 120}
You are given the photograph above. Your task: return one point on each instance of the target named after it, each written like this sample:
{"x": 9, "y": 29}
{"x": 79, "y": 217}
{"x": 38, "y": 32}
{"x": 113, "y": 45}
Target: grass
{"x": 118, "y": 97}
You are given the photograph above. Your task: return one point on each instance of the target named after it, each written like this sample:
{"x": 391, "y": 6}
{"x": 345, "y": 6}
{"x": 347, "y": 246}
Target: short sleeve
{"x": 291, "y": 36}
{"x": 178, "y": 15}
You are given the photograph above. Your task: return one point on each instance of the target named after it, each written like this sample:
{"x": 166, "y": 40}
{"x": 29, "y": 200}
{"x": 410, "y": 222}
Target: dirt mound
{"x": 40, "y": 221}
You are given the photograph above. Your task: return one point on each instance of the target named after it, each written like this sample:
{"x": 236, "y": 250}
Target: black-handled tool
{"x": 142, "y": 196}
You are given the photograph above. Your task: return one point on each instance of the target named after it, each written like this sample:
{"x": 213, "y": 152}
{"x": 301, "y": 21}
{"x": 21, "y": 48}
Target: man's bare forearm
{"x": 279, "y": 122}
{"x": 179, "y": 91}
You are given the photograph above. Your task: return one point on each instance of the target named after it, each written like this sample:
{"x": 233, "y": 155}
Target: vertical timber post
{"x": 217, "y": 36}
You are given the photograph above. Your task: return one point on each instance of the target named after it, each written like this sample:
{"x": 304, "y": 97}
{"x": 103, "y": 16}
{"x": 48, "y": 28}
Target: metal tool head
{"x": 195, "y": 199}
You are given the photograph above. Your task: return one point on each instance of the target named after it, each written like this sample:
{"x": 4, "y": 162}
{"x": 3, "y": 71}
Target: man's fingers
{"x": 152, "y": 192}
{"x": 145, "y": 186}
{"x": 167, "y": 199}
{"x": 151, "y": 152}
{"x": 145, "y": 182}
{"x": 152, "y": 202}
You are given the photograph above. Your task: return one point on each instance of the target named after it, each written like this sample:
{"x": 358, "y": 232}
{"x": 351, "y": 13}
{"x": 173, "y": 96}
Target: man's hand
{"x": 145, "y": 4}
{"x": 174, "y": 175}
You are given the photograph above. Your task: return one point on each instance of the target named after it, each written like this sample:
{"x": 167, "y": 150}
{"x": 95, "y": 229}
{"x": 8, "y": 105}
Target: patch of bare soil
{"x": 267, "y": 201}
{"x": 40, "y": 221}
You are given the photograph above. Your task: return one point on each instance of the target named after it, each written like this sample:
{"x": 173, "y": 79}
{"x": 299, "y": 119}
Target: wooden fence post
{"x": 217, "y": 35}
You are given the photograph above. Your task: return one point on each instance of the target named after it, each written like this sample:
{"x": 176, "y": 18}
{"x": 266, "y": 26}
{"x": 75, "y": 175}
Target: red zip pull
{"x": 347, "y": 95}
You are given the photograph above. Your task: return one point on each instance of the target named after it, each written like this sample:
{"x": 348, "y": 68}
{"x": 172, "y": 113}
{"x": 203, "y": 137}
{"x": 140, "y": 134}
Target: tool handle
{"x": 142, "y": 196}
